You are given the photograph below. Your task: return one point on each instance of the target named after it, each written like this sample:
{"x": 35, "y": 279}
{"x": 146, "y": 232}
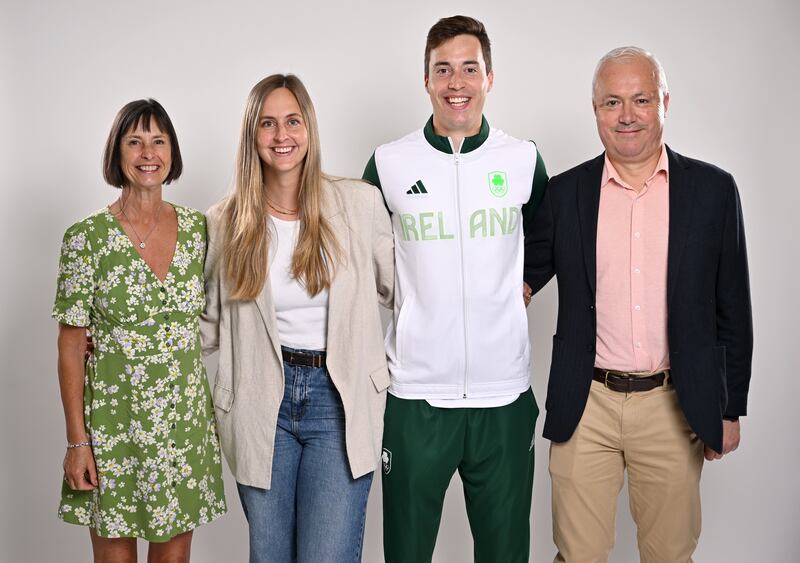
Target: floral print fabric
{"x": 147, "y": 403}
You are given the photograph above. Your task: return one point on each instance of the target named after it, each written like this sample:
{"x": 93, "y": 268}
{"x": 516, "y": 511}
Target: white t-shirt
{"x": 302, "y": 320}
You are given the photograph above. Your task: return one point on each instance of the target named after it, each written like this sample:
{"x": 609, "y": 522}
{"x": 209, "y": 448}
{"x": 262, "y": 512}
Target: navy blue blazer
{"x": 710, "y": 331}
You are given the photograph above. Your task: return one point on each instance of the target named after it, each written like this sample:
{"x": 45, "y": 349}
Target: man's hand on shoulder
{"x": 527, "y": 292}
{"x": 730, "y": 440}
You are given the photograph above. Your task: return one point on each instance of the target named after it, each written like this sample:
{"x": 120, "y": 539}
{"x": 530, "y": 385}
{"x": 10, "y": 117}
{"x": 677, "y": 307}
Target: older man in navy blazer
{"x": 652, "y": 353}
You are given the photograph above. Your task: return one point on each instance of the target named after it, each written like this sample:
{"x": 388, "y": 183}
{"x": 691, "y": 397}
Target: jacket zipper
{"x": 463, "y": 277}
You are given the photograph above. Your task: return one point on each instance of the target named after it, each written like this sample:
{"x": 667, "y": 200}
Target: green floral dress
{"x": 147, "y": 404}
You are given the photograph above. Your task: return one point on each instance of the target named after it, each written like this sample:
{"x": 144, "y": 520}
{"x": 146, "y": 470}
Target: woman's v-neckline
{"x": 136, "y": 250}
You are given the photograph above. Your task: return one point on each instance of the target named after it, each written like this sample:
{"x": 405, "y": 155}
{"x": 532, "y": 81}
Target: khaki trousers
{"x": 647, "y": 434}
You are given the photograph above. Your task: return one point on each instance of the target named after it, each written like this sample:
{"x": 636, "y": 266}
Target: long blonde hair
{"x": 246, "y": 233}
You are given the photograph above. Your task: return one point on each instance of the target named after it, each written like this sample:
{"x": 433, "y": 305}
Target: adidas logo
{"x": 418, "y": 188}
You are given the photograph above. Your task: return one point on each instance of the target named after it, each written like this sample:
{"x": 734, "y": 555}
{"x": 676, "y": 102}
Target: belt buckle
{"x": 627, "y": 377}
{"x": 618, "y": 374}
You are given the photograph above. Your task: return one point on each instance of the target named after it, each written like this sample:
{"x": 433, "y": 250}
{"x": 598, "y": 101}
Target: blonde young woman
{"x": 297, "y": 265}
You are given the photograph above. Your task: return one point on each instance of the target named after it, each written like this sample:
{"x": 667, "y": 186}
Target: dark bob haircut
{"x": 447, "y": 28}
{"x": 133, "y": 114}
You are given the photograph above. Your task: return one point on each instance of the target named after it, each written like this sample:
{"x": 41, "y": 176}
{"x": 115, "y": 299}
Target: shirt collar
{"x": 469, "y": 144}
{"x": 610, "y": 173}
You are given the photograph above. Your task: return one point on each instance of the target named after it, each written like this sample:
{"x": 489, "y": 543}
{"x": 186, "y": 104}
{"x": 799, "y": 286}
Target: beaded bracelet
{"x": 78, "y": 445}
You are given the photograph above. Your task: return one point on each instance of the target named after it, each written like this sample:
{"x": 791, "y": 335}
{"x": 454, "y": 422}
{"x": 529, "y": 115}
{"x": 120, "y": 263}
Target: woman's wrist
{"x": 77, "y": 436}
{"x": 83, "y": 444}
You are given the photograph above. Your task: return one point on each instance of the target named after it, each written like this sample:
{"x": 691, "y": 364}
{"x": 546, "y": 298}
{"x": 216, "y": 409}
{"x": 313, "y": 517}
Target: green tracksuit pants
{"x": 492, "y": 449}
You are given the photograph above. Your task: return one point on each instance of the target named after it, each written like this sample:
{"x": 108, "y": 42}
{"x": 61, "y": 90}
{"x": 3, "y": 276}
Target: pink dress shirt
{"x": 631, "y": 302}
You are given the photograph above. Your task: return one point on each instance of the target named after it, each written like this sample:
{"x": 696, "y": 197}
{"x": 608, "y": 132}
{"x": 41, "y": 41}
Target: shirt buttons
{"x": 637, "y": 234}
{"x": 172, "y": 426}
{"x": 163, "y": 290}
{"x": 638, "y": 344}
{"x": 637, "y": 307}
{"x": 637, "y": 271}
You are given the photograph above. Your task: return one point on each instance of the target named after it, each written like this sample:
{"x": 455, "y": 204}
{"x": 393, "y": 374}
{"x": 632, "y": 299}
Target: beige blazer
{"x": 248, "y": 388}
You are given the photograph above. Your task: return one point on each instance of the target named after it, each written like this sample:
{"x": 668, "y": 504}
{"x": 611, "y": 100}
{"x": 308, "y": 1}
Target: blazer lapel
{"x": 588, "y": 208}
{"x": 681, "y": 191}
{"x": 266, "y": 306}
{"x": 340, "y": 292}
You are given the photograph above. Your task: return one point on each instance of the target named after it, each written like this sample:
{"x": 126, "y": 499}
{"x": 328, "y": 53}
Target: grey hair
{"x": 629, "y": 52}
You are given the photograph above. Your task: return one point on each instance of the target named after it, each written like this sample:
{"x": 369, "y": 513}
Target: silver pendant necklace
{"x": 142, "y": 241}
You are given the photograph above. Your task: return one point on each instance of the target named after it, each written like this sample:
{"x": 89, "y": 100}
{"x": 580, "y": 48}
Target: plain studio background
{"x": 67, "y": 67}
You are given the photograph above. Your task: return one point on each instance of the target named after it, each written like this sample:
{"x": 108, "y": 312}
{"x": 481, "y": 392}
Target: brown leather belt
{"x": 310, "y": 359}
{"x": 629, "y": 382}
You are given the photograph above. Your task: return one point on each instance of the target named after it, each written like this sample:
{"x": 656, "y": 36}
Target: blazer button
{"x": 591, "y": 307}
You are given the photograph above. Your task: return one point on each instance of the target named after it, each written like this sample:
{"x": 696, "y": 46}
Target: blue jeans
{"x": 315, "y": 510}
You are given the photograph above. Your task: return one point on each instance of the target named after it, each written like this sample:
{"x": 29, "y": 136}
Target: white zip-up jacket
{"x": 460, "y": 327}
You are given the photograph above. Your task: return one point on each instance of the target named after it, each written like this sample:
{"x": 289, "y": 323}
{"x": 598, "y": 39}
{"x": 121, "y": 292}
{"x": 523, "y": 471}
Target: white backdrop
{"x": 67, "y": 67}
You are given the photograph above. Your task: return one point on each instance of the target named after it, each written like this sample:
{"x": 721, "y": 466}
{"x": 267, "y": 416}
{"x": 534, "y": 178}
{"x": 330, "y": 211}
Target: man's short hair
{"x": 447, "y": 28}
{"x": 627, "y": 53}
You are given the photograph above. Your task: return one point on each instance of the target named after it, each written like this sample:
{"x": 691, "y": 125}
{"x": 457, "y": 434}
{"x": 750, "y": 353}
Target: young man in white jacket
{"x": 460, "y": 194}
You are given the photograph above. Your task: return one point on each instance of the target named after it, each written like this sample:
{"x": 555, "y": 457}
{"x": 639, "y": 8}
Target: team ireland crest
{"x": 386, "y": 461}
{"x": 498, "y": 183}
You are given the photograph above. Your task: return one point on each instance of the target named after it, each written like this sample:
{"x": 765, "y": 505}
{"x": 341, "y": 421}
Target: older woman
{"x": 297, "y": 264}
{"x": 142, "y": 455}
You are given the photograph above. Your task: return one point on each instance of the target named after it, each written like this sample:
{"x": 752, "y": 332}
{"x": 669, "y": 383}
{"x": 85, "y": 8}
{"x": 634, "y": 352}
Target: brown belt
{"x": 629, "y": 382}
{"x": 295, "y": 358}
